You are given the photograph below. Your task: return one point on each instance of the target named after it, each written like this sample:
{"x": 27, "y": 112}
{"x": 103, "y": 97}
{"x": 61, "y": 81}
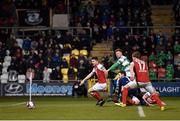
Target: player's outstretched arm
{"x": 132, "y": 71}
{"x": 113, "y": 67}
{"x": 86, "y": 78}
{"x": 145, "y": 96}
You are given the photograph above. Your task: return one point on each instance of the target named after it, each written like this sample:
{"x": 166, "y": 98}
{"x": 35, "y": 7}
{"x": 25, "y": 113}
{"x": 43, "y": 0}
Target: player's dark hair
{"x": 118, "y": 49}
{"x": 123, "y": 72}
{"x": 136, "y": 54}
{"x": 95, "y": 58}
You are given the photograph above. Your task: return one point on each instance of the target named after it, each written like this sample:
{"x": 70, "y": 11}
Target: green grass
{"x": 56, "y": 108}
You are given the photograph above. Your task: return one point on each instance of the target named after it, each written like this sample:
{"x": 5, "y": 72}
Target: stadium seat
{"x": 75, "y": 70}
{"x": 152, "y": 74}
{"x": 13, "y": 75}
{"x": 84, "y": 52}
{"x": 7, "y": 58}
{"x": 21, "y": 78}
{"x": 67, "y": 57}
{"x": 67, "y": 45}
{"x": 144, "y": 58}
{"x": 4, "y": 70}
{"x": 6, "y": 63}
{"x": 4, "y": 78}
{"x": 64, "y": 72}
{"x": 152, "y": 64}
{"x": 75, "y": 52}
{"x": 169, "y": 72}
{"x": 161, "y": 73}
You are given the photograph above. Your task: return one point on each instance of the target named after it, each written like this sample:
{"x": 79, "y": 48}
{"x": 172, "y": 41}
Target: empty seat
{"x": 21, "y": 78}
{"x": 152, "y": 64}
{"x": 144, "y": 58}
{"x": 67, "y": 57}
{"x": 64, "y": 72}
{"x": 75, "y": 52}
{"x": 4, "y": 70}
{"x": 161, "y": 73}
{"x": 4, "y": 78}
{"x": 7, "y": 58}
{"x": 13, "y": 75}
{"x": 6, "y": 63}
{"x": 84, "y": 52}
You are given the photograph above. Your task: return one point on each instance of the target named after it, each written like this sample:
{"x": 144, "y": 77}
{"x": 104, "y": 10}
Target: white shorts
{"x": 147, "y": 86}
{"x": 99, "y": 86}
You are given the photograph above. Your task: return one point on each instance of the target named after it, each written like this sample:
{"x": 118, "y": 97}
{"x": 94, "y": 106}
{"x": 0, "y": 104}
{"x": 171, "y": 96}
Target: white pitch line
{"x": 141, "y": 112}
{"x": 11, "y": 105}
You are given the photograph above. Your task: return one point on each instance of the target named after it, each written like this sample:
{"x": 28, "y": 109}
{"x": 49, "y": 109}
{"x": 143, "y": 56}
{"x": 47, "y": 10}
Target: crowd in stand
{"x": 103, "y": 15}
{"x": 161, "y": 53}
{"x": 30, "y": 53}
{"x": 176, "y": 8}
{"x": 176, "y": 38}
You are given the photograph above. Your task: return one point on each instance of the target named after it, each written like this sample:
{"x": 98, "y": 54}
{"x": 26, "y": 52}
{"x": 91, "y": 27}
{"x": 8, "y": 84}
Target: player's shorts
{"x": 128, "y": 73}
{"x": 147, "y": 86}
{"x": 99, "y": 86}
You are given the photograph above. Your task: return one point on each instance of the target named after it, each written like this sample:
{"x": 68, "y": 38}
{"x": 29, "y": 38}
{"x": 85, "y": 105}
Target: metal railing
{"x": 21, "y": 31}
{"x": 147, "y": 28}
{"x": 130, "y": 29}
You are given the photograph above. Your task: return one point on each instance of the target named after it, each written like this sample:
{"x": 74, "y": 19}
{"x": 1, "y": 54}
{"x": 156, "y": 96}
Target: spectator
{"x": 73, "y": 61}
{"x": 79, "y": 90}
{"x": 56, "y": 75}
{"x": 71, "y": 73}
{"x": 64, "y": 63}
{"x": 46, "y": 74}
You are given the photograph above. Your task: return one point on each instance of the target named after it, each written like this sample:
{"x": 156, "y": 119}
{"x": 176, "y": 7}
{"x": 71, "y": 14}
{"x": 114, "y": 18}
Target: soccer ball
{"x": 30, "y": 105}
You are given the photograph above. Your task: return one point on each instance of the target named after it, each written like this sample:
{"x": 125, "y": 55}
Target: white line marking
{"x": 141, "y": 112}
{"x": 11, "y": 105}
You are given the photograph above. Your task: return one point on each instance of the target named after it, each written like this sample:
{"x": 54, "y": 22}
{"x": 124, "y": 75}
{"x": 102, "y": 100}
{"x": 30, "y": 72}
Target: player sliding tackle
{"x": 140, "y": 68}
{"x": 101, "y": 85}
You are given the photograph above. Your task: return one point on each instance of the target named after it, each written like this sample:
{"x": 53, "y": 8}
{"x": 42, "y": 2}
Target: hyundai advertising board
{"x": 13, "y": 89}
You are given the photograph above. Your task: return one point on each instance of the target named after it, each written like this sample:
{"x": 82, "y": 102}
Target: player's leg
{"x": 155, "y": 95}
{"x": 117, "y": 91}
{"x": 102, "y": 87}
{"x": 130, "y": 85}
{"x": 94, "y": 92}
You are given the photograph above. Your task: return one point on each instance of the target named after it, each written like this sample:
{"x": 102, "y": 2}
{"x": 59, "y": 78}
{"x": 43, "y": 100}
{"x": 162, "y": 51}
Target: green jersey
{"x": 123, "y": 64}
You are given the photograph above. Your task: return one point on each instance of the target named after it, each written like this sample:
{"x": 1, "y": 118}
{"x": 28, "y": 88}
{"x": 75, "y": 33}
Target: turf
{"x": 64, "y": 108}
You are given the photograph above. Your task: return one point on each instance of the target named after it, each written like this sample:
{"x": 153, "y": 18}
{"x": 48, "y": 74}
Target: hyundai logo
{"x": 13, "y": 88}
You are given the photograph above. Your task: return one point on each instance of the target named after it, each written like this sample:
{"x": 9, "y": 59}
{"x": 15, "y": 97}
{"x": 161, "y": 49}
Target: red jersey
{"x": 141, "y": 71}
{"x": 98, "y": 69}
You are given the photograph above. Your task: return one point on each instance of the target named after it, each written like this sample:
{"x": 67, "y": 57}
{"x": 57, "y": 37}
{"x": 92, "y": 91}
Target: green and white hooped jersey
{"x": 122, "y": 64}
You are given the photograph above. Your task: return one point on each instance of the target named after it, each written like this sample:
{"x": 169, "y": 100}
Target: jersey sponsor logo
{"x": 13, "y": 88}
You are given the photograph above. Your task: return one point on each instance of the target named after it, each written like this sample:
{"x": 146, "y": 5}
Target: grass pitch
{"x": 65, "y": 108}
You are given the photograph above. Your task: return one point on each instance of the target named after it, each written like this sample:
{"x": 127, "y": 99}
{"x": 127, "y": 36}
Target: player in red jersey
{"x": 148, "y": 99}
{"x": 140, "y": 68}
{"x": 101, "y": 85}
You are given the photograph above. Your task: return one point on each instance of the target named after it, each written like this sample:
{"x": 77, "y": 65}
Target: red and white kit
{"x": 101, "y": 84}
